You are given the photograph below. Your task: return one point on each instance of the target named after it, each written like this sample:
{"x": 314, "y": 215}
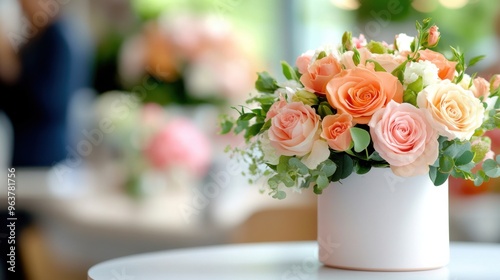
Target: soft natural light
{"x": 453, "y": 4}
{"x": 424, "y": 6}
{"x": 346, "y": 4}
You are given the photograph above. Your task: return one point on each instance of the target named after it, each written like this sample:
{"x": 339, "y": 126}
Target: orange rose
{"x": 360, "y": 92}
{"x": 336, "y": 131}
{"x": 320, "y": 73}
{"x": 446, "y": 67}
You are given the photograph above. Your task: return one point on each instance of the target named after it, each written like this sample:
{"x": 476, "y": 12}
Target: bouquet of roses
{"x": 370, "y": 104}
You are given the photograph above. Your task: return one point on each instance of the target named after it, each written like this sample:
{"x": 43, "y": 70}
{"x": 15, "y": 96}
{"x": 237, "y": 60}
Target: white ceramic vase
{"x": 381, "y": 222}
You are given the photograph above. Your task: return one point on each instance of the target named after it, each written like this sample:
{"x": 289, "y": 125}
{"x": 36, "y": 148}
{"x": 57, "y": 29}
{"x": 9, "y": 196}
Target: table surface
{"x": 284, "y": 260}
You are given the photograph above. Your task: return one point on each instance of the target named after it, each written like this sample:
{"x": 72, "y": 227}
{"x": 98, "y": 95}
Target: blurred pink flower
{"x": 180, "y": 143}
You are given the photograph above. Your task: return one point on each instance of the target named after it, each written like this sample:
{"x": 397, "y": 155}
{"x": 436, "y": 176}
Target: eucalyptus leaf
{"x": 361, "y": 138}
{"x": 446, "y": 164}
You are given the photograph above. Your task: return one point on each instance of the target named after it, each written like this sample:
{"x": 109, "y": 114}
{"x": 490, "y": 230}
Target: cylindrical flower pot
{"x": 381, "y": 222}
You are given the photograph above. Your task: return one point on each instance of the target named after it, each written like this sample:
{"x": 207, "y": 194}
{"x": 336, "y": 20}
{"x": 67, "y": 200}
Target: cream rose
{"x": 360, "y": 92}
{"x": 402, "y": 136}
{"x": 295, "y": 131}
{"x": 453, "y": 111}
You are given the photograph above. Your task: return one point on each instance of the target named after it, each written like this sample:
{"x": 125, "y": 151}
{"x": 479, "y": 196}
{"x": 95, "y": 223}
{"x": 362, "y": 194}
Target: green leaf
{"x": 456, "y": 149}
{"x": 321, "y": 55}
{"x": 301, "y": 167}
{"x": 240, "y": 126}
{"x": 376, "y": 47}
{"x": 266, "y": 126}
{"x": 282, "y": 166}
{"x": 345, "y": 166}
{"x": 324, "y": 109}
{"x": 289, "y": 71}
{"x": 266, "y": 83}
{"x": 226, "y": 126}
{"x": 446, "y": 164}
{"x": 475, "y": 60}
{"x": 399, "y": 71}
{"x": 378, "y": 67}
{"x": 356, "y": 57}
{"x": 376, "y": 156}
{"x": 322, "y": 182}
{"x": 417, "y": 85}
{"x": 328, "y": 167}
{"x": 465, "y": 158}
{"x": 361, "y": 138}
{"x": 279, "y": 195}
{"x": 253, "y": 130}
{"x": 437, "y": 177}
{"x": 409, "y": 96}
{"x": 347, "y": 41}
{"x": 362, "y": 167}
{"x": 491, "y": 168}
{"x": 247, "y": 116}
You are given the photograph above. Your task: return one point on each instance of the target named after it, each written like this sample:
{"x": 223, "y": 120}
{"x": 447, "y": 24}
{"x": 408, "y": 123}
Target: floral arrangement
{"x": 150, "y": 147}
{"x": 372, "y": 104}
{"x": 188, "y": 60}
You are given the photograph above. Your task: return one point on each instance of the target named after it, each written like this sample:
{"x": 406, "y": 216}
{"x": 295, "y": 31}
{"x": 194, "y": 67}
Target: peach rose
{"x": 360, "y": 92}
{"x": 480, "y": 88}
{"x": 402, "y": 136}
{"x": 320, "y": 73}
{"x": 336, "y": 131}
{"x": 388, "y": 61}
{"x": 453, "y": 111}
{"x": 433, "y": 38}
{"x": 348, "y": 62}
{"x": 494, "y": 82}
{"x": 303, "y": 61}
{"x": 275, "y": 109}
{"x": 295, "y": 131}
{"x": 446, "y": 67}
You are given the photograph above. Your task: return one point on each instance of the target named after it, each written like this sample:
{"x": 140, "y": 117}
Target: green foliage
{"x": 456, "y": 158}
{"x": 361, "y": 138}
{"x": 289, "y": 72}
{"x": 266, "y": 83}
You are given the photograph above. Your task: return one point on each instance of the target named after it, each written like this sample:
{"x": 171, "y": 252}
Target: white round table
{"x": 283, "y": 261}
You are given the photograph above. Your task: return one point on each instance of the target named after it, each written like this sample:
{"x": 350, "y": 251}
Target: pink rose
{"x": 180, "y": 143}
{"x": 320, "y": 73}
{"x": 403, "y": 137}
{"x": 275, "y": 109}
{"x": 433, "y": 38}
{"x": 446, "y": 67}
{"x": 294, "y": 129}
{"x": 303, "y": 62}
{"x": 360, "y": 41}
{"x": 152, "y": 116}
{"x": 480, "y": 88}
{"x": 336, "y": 131}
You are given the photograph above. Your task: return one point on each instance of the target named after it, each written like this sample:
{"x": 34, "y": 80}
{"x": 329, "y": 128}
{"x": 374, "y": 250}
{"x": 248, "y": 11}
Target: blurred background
{"x": 109, "y": 109}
